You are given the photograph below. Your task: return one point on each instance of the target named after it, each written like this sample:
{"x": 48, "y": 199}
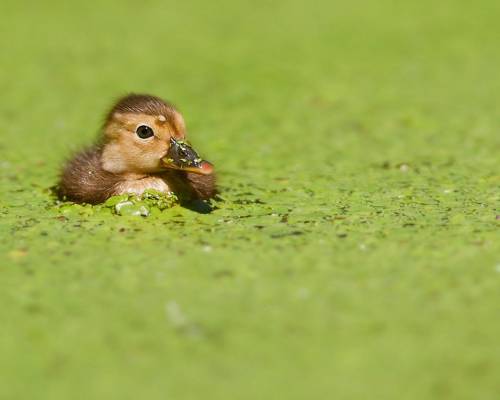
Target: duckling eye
{"x": 144, "y": 132}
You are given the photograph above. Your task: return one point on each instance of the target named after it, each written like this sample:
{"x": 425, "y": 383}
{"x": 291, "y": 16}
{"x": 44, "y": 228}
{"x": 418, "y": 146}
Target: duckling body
{"x": 134, "y": 153}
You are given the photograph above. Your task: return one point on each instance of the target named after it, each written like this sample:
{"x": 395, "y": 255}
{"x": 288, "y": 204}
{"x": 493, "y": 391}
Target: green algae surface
{"x": 354, "y": 251}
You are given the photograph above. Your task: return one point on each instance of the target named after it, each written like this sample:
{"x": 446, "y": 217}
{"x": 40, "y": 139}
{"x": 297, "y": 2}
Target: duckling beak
{"x": 182, "y": 156}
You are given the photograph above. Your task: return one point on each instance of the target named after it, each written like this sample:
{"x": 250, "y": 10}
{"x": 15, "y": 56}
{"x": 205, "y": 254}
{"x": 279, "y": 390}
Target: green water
{"x": 355, "y": 250}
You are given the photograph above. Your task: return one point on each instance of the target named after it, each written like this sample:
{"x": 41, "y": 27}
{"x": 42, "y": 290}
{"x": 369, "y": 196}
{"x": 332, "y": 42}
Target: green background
{"x": 356, "y": 251}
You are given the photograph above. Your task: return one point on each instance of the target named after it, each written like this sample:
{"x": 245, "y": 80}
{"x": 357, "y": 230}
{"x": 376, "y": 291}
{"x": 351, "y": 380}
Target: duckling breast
{"x": 83, "y": 180}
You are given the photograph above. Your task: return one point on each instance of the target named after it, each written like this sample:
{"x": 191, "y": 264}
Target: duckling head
{"x": 144, "y": 134}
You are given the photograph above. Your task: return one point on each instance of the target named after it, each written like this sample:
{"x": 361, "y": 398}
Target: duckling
{"x": 141, "y": 146}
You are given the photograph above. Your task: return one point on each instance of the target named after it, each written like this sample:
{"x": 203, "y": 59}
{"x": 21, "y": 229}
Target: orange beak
{"x": 182, "y": 156}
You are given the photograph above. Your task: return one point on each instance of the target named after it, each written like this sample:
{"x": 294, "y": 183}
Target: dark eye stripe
{"x": 144, "y": 132}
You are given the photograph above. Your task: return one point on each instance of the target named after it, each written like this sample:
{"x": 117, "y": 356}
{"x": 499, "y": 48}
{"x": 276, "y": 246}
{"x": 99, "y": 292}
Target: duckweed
{"x": 132, "y": 205}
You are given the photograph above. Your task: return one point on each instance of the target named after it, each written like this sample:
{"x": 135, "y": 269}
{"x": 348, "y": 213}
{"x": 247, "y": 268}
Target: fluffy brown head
{"x": 137, "y": 132}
